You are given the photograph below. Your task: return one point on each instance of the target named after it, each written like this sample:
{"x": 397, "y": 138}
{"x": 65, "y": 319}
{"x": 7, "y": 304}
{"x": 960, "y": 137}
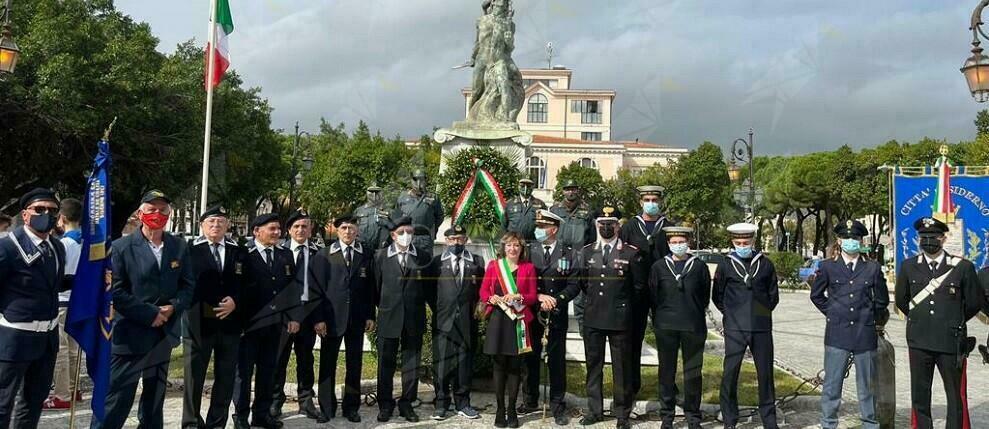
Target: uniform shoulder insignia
{"x": 589, "y": 245}
{"x": 632, "y": 246}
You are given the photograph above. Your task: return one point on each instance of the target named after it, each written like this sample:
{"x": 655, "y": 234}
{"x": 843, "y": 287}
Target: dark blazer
{"x": 347, "y": 292}
{"x": 938, "y": 323}
{"x": 212, "y": 286}
{"x": 680, "y": 299}
{"x": 746, "y": 306}
{"x": 984, "y": 280}
{"x": 400, "y": 294}
{"x": 654, "y": 245}
{"x": 610, "y": 286}
{"x": 313, "y": 305}
{"x": 140, "y": 286}
{"x": 270, "y": 296}
{"x": 852, "y": 301}
{"x": 452, "y": 299}
{"x": 561, "y": 280}
{"x": 28, "y": 292}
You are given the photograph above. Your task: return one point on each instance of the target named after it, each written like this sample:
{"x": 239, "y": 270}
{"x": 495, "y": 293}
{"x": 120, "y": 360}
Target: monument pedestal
{"x": 512, "y": 142}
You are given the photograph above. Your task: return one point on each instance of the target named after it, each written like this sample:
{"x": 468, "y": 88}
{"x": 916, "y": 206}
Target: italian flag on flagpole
{"x": 217, "y": 50}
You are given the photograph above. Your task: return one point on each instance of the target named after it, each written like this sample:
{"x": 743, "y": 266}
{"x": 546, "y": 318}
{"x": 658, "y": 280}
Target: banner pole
{"x": 75, "y": 387}
{"x": 204, "y": 188}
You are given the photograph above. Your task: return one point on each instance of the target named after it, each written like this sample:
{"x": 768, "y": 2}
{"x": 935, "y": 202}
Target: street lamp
{"x": 741, "y": 151}
{"x": 295, "y": 178}
{"x": 9, "y": 52}
{"x": 976, "y": 67}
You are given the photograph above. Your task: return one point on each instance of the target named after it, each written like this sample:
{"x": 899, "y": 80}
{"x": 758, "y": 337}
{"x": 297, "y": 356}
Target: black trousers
{"x": 507, "y": 379}
{"x": 33, "y": 392}
{"x": 151, "y": 370}
{"x": 303, "y": 343}
{"x": 453, "y": 363}
{"x": 556, "y": 354}
{"x": 222, "y": 347}
{"x": 353, "y": 338}
{"x": 256, "y": 360}
{"x": 691, "y": 344}
{"x": 388, "y": 353}
{"x": 594, "y": 342}
{"x": 922, "y": 363}
{"x": 761, "y": 344}
{"x": 639, "y": 323}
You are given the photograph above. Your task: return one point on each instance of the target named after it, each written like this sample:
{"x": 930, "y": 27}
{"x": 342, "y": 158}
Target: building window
{"x": 537, "y": 172}
{"x": 590, "y": 111}
{"x": 538, "y": 108}
{"x": 588, "y": 163}
{"x": 591, "y": 137}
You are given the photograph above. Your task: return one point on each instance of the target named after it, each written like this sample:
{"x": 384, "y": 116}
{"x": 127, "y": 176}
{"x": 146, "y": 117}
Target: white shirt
{"x": 302, "y": 247}
{"x": 37, "y": 243}
{"x": 939, "y": 259}
{"x": 552, "y": 247}
{"x": 262, "y": 249}
{"x": 157, "y": 250}
{"x": 73, "y": 251}
{"x": 854, "y": 262}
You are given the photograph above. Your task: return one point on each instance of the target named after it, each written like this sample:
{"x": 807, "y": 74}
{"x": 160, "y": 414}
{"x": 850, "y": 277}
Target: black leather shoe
{"x": 353, "y": 416}
{"x": 241, "y": 423}
{"x": 561, "y": 419}
{"x": 524, "y": 409}
{"x": 384, "y": 415}
{"x": 500, "y": 421}
{"x": 323, "y": 418}
{"x": 309, "y": 410}
{"x": 667, "y": 424}
{"x": 623, "y": 424}
{"x": 409, "y": 415}
{"x": 276, "y": 411}
{"x": 590, "y": 420}
{"x": 512, "y": 419}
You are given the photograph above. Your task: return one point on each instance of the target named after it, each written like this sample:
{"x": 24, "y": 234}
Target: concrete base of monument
{"x": 515, "y": 144}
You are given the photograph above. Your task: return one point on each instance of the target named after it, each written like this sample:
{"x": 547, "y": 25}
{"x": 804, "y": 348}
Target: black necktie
{"x": 348, "y": 255}
{"x": 851, "y": 266}
{"x": 216, "y": 256}
{"x": 456, "y": 268}
{"x": 607, "y": 252}
{"x": 51, "y": 265}
{"x": 299, "y": 257}
{"x": 546, "y": 253}
{"x": 933, "y": 266}
{"x": 269, "y": 256}
{"x": 401, "y": 259}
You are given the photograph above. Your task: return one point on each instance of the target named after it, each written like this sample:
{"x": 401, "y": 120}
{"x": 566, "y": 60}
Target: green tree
{"x": 699, "y": 189}
{"x": 982, "y": 122}
{"x": 589, "y": 180}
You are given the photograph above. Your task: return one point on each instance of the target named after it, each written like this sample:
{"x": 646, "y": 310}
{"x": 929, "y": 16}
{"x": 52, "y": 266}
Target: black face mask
{"x": 931, "y": 245}
{"x": 42, "y": 223}
{"x": 525, "y": 191}
{"x": 457, "y": 249}
{"x": 606, "y": 232}
{"x": 572, "y": 197}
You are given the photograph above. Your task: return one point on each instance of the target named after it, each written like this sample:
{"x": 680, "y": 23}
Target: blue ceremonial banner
{"x": 913, "y": 198}
{"x": 89, "y": 319}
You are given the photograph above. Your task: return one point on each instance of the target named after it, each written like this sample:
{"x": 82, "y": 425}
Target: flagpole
{"x": 211, "y": 45}
{"x": 75, "y": 387}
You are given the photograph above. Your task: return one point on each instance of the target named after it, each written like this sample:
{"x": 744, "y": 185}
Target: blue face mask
{"x": 541, "y": 235}
{"x": 650, "y": 208}
{"x": 743, "y": 252}
{"x": 679, "y": 249}
{"x": 851, "y": 246}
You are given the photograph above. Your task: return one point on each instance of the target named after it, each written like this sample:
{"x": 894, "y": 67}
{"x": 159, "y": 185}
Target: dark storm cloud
{"x": 806, "y": 74}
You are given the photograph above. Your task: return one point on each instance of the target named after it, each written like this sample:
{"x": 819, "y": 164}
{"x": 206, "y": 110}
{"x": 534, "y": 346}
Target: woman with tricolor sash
{"x": 509, "y": 289}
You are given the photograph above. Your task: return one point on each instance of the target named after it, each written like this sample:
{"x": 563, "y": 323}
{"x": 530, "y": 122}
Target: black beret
{"x": 214, "y": 211}
{"x": 37, "y": 194}
{"x": 608, "y": 212}
{"x": 929, "y": 225}
{"x": 346, "y": 218}
{"x": 457, "y": 229}
{"x": 296, "y": 216}
{"x": 850, "y": 229}
{"x": 265, "y": 219}
{"x": 155, "y": 194}
{"x": 400, "y": 222}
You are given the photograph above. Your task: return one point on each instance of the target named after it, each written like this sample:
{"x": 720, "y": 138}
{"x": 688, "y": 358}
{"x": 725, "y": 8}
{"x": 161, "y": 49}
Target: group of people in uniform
{"x": 245, "y": 309}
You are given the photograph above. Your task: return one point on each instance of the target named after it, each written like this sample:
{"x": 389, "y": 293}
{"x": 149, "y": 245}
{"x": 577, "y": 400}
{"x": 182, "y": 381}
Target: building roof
{"x": 549, "y": 140}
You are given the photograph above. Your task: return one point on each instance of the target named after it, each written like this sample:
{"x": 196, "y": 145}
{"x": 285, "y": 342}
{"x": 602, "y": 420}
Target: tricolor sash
{"x": 514, "y": 311}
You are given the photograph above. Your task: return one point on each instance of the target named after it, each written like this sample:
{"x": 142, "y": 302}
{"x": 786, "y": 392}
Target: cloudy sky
{"x": 806, "y": 74}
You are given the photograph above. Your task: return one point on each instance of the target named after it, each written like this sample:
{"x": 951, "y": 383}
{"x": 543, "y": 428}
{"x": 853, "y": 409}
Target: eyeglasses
{"x": 44, "y": 209}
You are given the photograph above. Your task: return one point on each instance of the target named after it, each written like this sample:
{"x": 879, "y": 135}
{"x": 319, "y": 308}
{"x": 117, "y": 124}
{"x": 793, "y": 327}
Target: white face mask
{"x": 404, "y": 240}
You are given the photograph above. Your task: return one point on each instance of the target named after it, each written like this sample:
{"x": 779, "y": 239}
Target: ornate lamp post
{"x": 748, "y": 195}
{"x": 976, "y": 67}
{"x": 9, "y": 52}
{"x": 295, "y": 179}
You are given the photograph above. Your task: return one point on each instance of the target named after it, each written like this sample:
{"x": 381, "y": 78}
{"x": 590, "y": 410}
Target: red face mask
{"x": 154, "y": 221}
